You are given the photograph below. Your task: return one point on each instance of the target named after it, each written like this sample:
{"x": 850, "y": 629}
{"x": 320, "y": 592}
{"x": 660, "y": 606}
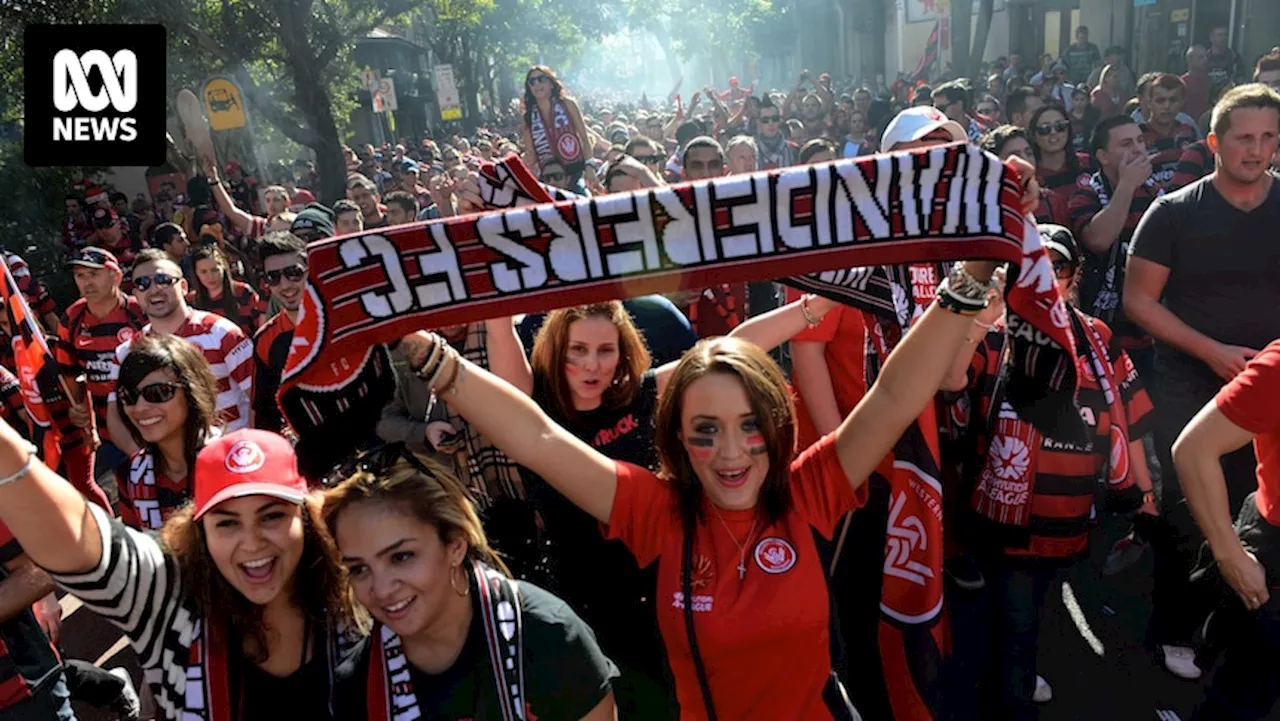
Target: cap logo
{"x": 245, "y": 457}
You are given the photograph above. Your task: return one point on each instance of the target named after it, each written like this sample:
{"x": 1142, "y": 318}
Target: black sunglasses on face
{"x": 164, "y": 280}
{"x": 1061, "y": 126}
{"x": 537, "y": 79}
{"x": 295, "y": 273}
{"x": 154, "y": 393}
{"x": 648, "y": 159}
{"x": 769, "y": 118}
{"x": 1063, "y": 269}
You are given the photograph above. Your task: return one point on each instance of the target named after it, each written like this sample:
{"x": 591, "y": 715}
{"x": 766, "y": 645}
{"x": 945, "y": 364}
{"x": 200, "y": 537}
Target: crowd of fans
{"x": 185, "y": 319}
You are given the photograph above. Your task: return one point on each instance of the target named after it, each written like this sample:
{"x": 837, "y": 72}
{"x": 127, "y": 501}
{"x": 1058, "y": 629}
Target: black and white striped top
{"x": 137, "y": 587}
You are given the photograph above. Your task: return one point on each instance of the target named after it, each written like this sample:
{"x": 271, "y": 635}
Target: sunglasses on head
{"x": 378, "y": 461}
{"x": 153, "y": 393}
{"x": 1061, "y": 126}
{"x": 1063, "y": 269}
{"x": 163, "y": 280}
{"x": 92, "y": 256}
{"x": 295, "y": 273}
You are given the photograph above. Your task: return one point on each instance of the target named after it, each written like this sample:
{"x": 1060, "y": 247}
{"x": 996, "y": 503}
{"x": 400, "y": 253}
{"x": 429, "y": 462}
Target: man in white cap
{"x": 920, "y": 127}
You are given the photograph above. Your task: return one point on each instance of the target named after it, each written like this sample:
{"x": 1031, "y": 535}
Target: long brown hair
{"x": 191, "y": 370}
{"x": 319, "y": 586}
{"x": 770, "y": 401}
{"x": 226, "y": 305}
{"x": 530, "y": 102}
{"x": 421, "y": 489}
{"x": 551, "y": 352}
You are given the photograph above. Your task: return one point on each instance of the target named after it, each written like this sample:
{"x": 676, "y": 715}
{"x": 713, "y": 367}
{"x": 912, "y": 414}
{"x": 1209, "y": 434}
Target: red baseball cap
{"x": 249, "y": 462}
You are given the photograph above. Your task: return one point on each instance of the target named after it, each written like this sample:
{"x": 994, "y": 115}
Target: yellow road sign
{"x": 223, "y": 104}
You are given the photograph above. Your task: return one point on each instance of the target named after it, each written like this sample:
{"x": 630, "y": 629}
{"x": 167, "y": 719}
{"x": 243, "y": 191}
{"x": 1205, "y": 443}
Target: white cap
{"x": 915, "y": 123}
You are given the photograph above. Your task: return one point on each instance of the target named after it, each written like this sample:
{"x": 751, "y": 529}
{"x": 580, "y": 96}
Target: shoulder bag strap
{"x": 686, "y": 584}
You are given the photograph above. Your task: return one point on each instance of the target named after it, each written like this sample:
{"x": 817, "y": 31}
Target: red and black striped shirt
{"x": 87, "y": 344}
{"x": 1166, "y": 150}
{"x": 249, "y": 306}
{"x": 270, "y": 351}
{"x": 1066, "y": 474}
{"x": 1196, "y": 162}
{"x": 1061, "y": 184}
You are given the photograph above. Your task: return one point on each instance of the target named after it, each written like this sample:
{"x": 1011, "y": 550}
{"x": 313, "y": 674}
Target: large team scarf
{"x": 939, "y": 204}
{"x": 557, "y": 143}
{"x": 390, "y": 695}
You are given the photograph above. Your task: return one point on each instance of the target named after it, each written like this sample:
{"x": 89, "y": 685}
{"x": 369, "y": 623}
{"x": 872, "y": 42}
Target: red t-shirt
{"x": 844, "y": 332}
{"x": 764, "y": 639}
{"x": 1249, "y": 401}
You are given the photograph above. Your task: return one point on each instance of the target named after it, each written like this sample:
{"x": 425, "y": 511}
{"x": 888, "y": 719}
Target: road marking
{"x": 117, "y": 647}
{"x": 1077, "y": 617}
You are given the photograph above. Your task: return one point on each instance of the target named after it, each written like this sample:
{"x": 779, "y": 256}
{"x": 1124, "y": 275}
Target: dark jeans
{"x": 51, "y": 703}
{"x": 1018, "y": 594}
{"x": 92, "y": 685}
{"x": 1184, "y": 387}
{"x": 1246, "y": 686}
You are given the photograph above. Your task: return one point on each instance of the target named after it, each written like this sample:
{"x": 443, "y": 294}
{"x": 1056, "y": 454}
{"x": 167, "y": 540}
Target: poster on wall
{"x": 919, "y": 11}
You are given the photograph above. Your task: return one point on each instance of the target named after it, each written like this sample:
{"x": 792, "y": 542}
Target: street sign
{"x": 447, "y": 93}
{"x": 368, "y": 77}
{"x": 223, "y": 104}
{"x": 387, "y": 91}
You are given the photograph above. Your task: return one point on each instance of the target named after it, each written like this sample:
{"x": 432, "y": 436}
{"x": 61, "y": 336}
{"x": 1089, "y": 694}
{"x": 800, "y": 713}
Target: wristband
{"x": 809, "y": 318}
{"x": 26, "y": 467}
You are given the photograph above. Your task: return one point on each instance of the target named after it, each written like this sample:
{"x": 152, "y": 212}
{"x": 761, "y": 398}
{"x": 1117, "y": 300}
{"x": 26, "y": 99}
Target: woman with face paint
{"x": 592, "y": 375}
{"x": 732, "y": 522}
{"x": 1021, "y": 562}
{"x": 232, "y": 608}
{"x": 417, "y": 558}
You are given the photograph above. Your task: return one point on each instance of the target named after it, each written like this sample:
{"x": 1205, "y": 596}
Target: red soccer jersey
{"x": 1166, "y": 150}
{"x": 147, "y": 499}
{"x": 844, "y": 332}
{"x": 87, "y": 344}
{"x": 229, "y": 353}
{"x": 1249, "y": 401}
{"x": 765, "y": 637}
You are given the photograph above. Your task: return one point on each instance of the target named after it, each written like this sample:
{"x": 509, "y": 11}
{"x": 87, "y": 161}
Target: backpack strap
{"x": 504, "y": 634}
{"x": 686, "y": 585}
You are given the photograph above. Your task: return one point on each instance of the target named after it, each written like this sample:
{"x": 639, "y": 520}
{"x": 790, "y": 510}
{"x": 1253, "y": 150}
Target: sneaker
{"x": 1126, "y": 552}
{"x": 1043, "y": 692}
{"x": 127, "y": 706}
{"x": 1181, "y": 662}
{"x": 964, "y": 572}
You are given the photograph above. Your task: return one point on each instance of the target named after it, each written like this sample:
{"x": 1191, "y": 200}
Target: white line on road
{"x": 1077, "y": 617}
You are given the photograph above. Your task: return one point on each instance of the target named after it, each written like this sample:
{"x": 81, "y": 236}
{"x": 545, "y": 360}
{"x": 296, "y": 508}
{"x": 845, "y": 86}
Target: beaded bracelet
{"x": 809, "y": 318}
{"x": 431, "y": 364}
{"x": 956, "y": 304}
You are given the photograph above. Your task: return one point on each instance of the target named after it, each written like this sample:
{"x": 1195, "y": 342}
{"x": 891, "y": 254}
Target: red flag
{"x": 36, "y": 369}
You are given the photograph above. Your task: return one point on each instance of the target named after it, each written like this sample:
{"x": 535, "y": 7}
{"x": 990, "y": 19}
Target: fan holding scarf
{"x": 233, "y": 610}
{"x": 553, "y": 132}
{"x": 1032, "y": 494}
{"x": 457, "y": 638}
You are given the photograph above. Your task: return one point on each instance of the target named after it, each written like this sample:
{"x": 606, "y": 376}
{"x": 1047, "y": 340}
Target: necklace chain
{"x": 742, "y": 547}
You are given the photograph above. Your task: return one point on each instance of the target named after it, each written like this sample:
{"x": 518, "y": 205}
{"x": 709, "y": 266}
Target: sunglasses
{"x": 1061, "y": 126}
{"x": 378, "y": 461}
{"x": 539, "y": 79}
{"x": 769, "y": 119}
{"x": 711, "y": 166}
{"x": 1063, "y": 269}
{"x": 295, "y": 273}
{"x": 986, "y": 110}
{"x": 162, "y": 280}
{"x": 648, "y": 159}
{"x": 92, "y": 256}
{"x": 154, "y": 394}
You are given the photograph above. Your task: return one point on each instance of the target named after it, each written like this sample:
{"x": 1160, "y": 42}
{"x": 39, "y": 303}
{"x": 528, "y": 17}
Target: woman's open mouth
{"x": 398, "y": 610}
{"x": 733, "y": 478}
{"x": 259, "y": 571}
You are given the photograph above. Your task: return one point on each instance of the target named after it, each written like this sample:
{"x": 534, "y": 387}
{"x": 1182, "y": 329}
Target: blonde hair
{"x": 421, "y": 489}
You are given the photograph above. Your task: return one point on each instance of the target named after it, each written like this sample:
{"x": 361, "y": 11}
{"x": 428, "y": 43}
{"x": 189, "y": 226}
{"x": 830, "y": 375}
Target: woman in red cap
{"x": 449, "y": 614}
{"x": 232, "y": 608}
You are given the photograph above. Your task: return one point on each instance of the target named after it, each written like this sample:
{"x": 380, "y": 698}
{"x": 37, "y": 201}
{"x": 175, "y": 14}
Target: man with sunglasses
{"x": 161, "y": 291}
{"x": 284, "y": 270}
{"x": 97, "y": 324}
{"x": 773, "y": 148}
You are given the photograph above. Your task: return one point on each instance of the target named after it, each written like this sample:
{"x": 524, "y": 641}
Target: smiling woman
{"x": 418, "y": 559}
{"x": 233, "y": 609}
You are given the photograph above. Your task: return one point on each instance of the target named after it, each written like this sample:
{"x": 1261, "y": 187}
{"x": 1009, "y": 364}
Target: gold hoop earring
{"x": 466, "y": 588}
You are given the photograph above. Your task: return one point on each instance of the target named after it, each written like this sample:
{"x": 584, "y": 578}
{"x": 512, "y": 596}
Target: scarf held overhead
{"x": 941, "y": 204}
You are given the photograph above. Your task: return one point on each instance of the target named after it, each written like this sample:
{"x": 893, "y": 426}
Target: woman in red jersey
{"x": 734, "y": 524}
{"x": 217, "y": 292}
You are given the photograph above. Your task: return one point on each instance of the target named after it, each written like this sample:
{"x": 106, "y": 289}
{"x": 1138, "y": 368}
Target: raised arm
{"x": 769, "y": 330}
{"x": 910, "y": 378}
{"x": 516, "y": 425}
{"x": 44, "y": 512}
{"x": 240, "y": 220}
{"x": 506, "y": 354}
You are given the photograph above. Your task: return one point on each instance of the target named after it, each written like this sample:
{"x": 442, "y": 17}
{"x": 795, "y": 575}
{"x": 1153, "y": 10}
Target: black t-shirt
{"x": 566, "y": 674}
{"x": 303, "y": 694}
{"x": 623, "y": 434}
{"x": 1223, "y": 262}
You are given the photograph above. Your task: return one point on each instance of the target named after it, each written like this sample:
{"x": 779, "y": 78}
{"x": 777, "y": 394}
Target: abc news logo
{"x": 95, "y": 95}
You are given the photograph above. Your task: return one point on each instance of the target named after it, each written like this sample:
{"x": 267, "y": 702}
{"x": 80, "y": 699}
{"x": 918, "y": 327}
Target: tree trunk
{"x": 985, "y": 10}
{"x": 313, "y": 103}
{"x": 673, "y": 63}
{"x": 961, "y": 29}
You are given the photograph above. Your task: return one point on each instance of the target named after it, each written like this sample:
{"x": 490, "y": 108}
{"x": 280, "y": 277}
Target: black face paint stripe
{"x": 701, "y": 441}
